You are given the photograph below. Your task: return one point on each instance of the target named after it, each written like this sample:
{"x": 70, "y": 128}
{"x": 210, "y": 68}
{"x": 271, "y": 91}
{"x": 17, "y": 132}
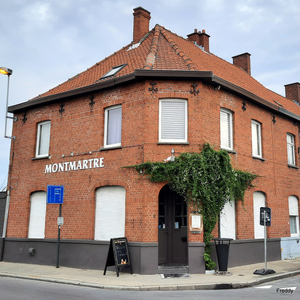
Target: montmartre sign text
{"x": 92, "y": 163}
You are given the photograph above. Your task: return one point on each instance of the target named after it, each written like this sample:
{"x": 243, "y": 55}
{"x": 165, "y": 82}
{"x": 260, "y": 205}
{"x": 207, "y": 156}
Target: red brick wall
{"x": 80, "y": 129}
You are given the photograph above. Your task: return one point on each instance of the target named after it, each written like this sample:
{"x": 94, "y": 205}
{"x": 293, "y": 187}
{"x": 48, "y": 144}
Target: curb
{"x": 212, "y": 286}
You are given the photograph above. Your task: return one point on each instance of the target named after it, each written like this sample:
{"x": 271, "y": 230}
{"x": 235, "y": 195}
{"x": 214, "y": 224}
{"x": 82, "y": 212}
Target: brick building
{"x": 160, "y": 92}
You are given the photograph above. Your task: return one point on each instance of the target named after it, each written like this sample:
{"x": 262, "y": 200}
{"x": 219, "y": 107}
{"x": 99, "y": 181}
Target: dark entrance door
{"x": 172, "y": 231}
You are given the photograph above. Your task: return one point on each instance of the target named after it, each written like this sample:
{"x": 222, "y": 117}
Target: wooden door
{"x": 172, "y": 228}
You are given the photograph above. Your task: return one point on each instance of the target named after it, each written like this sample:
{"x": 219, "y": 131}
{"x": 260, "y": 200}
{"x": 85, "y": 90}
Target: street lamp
{"x": 8, "y": 72}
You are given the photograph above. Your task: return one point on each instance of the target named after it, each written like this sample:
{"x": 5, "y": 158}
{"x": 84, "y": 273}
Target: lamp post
{"x": 8, "y": 72}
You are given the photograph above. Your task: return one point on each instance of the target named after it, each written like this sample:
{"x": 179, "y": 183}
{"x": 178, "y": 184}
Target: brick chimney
{"x": 243, "y": 61}
{"x": 292, "y": 91}
{"x": 141, "y": 20}
{"x": 201, "y": 39}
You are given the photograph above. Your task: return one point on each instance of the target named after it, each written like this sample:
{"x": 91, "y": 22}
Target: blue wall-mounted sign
{"x": 55, "y": 194}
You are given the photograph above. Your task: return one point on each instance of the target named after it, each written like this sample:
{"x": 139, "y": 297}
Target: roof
{"x": 160, "y": 50}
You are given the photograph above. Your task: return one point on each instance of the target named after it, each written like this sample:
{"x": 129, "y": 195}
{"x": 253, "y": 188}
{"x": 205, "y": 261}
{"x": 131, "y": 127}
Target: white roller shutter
{"x": 173, "y": 120}
{"x": 258, "y": 202}
{"x": 37, "y": 215}
{"x": 227, "y": 221}
{"x": 110, "y": 213}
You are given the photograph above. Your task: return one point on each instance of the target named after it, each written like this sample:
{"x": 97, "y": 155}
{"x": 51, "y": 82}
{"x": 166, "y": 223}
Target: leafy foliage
{"x": 206, "y": 181}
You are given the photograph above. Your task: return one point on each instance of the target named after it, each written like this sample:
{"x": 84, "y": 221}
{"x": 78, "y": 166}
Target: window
{"x": 113, "y": 126}
{"x": 110, "y": 213}
{"x": 294, "y": 215}
{"x": 227, "y": 221}
{"x": 37, "y": 215}
{"x": 173, "y": 120}
{"x": 259, "y": 201}
{"x": 256, "y": 139}
{"x": 113, "y": 71}
{"x": 290, "y": 149}
{"x": 226, "y": 129}
{"x": 43, "y": 139}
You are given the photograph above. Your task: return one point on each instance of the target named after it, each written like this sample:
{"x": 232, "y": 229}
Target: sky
{"x": 45, "y": 42}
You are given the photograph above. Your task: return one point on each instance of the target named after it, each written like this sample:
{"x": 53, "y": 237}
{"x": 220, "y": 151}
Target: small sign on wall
{"x": 196, "y": 222}
{"x": 55, "y": 194}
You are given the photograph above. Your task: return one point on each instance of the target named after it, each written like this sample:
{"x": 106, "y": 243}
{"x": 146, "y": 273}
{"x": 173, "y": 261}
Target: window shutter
{"x": 110, "y": 212}
{"x": 37, "y": 215}
{"x": 173, "y": 120}
{"x": 293, "y": 206}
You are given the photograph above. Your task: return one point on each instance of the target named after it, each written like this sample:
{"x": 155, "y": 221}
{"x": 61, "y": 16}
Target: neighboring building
{"x": 160, "y": 92}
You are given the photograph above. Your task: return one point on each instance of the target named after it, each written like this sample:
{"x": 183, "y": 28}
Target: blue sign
{"x": 55, "y": 194}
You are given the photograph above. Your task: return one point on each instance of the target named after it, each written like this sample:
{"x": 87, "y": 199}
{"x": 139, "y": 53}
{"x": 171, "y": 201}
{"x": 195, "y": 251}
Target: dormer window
{"x": 113, "y": 71}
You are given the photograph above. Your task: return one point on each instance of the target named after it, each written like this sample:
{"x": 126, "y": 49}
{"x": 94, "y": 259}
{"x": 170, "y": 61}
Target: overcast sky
{"x": 45, "y": 42}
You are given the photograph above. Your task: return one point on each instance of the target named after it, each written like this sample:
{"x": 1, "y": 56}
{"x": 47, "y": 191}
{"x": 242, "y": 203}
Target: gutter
{"x": 142, "y": 74}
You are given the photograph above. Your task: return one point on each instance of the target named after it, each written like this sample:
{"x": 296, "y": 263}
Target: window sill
{"x": 258, "y": 158}
{"x": 110, "y": 148}
{"x": 229, "y": 150}
{"x": 42, "y": 157}
{"x": 293, "y": 166}
{"x": 173, "y": 143}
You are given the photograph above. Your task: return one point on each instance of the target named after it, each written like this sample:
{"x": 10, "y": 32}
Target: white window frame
{"x": 291, "y": 149}
{"x": 107, "y": 110}
{"x": 256, "y": 139}
{"x": 226, "y": 133}
{"x": 294, "y": 213}
{"x": 183, "y": 121}
{"x": 37, "y": 218}
{"x": 39, "y": 139}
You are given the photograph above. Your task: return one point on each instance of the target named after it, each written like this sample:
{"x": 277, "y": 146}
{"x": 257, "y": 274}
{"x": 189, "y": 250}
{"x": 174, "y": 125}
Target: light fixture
{"x": 8, "y": 72}
{"x": 5, "y": 71}
{"x": 172, "y": 157}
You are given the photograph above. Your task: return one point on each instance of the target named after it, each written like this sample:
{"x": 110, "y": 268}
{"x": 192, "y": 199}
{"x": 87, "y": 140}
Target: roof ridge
{"x": 150, "y": 60}
{"x": 177, "y": 49}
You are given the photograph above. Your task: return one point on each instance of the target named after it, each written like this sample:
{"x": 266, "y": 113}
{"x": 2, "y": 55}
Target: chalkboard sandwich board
{"x": 118, "y": 255}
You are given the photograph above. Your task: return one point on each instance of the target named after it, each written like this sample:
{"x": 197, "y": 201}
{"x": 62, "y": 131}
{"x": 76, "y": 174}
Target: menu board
{"x": 118, "y": 254}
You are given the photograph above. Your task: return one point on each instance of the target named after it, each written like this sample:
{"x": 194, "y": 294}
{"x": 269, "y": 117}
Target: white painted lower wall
{"x": 290, "y": 247}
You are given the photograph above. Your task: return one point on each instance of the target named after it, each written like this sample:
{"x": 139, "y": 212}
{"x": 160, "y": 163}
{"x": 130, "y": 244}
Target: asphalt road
{"x": 13, "y": 288}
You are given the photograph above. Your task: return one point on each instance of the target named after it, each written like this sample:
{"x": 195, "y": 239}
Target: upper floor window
{"x": 43, "y": 139}
{"x": 290, "y": 139}
{"x": 113, "y": 126}
{"x": 173, "y": 120}
{"x": 226, "y": 129}
{"x": 256, "y": 139}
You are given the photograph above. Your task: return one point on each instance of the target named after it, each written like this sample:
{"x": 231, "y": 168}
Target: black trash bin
{"x": 222, "y": 252}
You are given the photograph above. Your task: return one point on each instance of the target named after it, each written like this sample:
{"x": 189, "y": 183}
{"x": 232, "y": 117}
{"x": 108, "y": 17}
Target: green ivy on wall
{"x": 206, "y": 181}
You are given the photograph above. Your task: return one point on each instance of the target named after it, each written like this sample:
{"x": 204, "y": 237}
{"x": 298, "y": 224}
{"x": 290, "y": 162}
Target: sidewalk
{"x": 242, "y": 276}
